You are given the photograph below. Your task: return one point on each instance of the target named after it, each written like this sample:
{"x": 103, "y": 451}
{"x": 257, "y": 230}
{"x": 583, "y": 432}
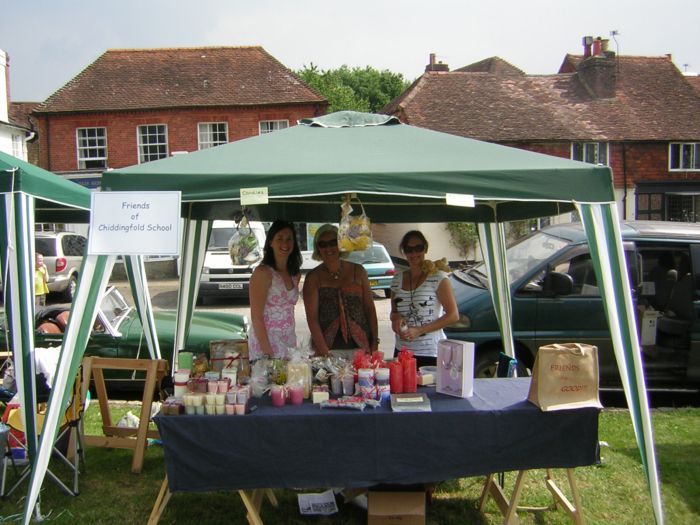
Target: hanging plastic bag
{"x": 354, "y": 231}
{"x": 243, "y": 245}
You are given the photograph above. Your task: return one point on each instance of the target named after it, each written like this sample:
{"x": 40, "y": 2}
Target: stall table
{"x": 307, "y": 447}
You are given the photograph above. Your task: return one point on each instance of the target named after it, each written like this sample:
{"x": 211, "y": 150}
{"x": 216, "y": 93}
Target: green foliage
{"x": 357, "y": 89}
{"x": 463, "y": 236}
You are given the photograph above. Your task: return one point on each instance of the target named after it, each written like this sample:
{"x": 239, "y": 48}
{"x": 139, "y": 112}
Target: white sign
{"x": 253, "y": 196}
{"x": 459, "y": 199}
{"x": 135, "y": 223}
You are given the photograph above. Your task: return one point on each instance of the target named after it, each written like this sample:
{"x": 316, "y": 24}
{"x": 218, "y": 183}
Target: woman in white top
{"x": 422, "y": 303}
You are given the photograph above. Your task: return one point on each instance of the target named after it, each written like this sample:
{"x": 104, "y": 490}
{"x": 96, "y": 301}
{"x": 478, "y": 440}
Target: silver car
{"x": 63, "y": 254}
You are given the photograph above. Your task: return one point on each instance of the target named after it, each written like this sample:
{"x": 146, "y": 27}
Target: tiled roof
{"x": 124, "y": 79}
{"x": 652, "y": 102}
{"x": 695, "y": 82}
{"x": 20, "y": 111}
{"x": 492, "y": 65}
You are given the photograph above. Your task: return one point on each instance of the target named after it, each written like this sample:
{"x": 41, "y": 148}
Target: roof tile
{"x": 129, "y": 79}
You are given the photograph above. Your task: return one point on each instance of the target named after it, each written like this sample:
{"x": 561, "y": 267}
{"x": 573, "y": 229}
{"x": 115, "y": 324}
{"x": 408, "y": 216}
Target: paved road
{"x": 164, "y": 295}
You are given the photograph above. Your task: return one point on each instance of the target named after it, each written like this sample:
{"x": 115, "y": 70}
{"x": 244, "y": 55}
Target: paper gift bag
{"x": 565, "y": 376}
{"x": 455, "y": 368}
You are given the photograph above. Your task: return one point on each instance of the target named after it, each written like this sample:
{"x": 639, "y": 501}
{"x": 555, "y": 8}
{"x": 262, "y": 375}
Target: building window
{"x": 19, "y": 148}
{"x": 650, "y": 206}
{"x": 591, "y": 152}
{"x": 682, "y": 208}
{"x": 153, "y": 142}
{"x": 92, "y": 148}
{"x": 212, "y": 134}
{"x": 266, "y": 126}
{"x": 684, "y": 156}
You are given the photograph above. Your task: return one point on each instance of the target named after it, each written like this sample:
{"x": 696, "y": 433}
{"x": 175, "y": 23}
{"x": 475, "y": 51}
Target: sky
{"x": 51, "y": 41}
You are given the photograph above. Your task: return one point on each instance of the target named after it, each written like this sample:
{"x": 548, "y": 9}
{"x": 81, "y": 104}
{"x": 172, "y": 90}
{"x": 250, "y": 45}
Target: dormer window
{"x": 591, "y": 152}
{"x": 684, "y": 156}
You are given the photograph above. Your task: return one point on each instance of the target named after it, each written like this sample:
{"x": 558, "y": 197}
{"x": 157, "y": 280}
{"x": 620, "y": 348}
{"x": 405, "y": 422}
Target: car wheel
{"x": 72, "y": 287}
{"x": 387, "y": 292}
{"x": 486, "y": 364}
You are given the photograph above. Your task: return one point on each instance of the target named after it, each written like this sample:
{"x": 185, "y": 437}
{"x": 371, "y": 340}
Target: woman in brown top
{"x": 338, "y": 299}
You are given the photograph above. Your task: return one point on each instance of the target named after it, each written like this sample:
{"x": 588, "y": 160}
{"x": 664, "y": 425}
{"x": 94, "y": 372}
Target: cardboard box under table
{"x": 496, "y": 430}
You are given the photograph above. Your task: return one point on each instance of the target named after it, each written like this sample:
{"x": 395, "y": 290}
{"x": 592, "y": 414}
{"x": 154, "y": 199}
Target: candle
{"x": 396, "y": 377}
{"x": 296, "y": 394}
{"x": 277, "y": 392}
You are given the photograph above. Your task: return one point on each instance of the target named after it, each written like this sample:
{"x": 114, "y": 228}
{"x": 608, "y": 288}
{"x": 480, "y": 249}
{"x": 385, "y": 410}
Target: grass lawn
{"x": 614, "y": 492}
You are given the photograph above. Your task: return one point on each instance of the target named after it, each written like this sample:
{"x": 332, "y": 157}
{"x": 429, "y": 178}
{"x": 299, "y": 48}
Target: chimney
{"x": 598, "y": 73}
{"x": 4, "y": 87}
{"x": 587, "y": 42}
{"x": 597, "y": 46}
{"x": 436, "y": 66}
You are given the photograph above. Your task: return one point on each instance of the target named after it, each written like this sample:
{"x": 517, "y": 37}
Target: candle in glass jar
{"x": 277, "y": 392}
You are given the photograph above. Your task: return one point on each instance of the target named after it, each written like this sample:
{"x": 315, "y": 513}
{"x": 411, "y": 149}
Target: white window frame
{"x": 100, "y": 147}
{"x": 268, "y": 126}
{"x": 597, "y": 147}
{"x": 145, "y": 156}
{"x": 206, "y": 134}
{"x": 693, "y": 149}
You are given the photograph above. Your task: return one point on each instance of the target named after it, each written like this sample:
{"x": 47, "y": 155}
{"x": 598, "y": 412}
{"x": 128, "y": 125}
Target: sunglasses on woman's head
{"x": 328, "y": 244}
{"x": 417, "y": 248}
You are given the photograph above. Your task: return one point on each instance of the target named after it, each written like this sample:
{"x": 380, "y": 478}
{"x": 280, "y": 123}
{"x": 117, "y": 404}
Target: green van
{"x": 556, "y": 299}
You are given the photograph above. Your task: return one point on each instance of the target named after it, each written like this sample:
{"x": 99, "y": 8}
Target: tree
{"x": 357, "y": 89}
{"x": 464, "y": 237}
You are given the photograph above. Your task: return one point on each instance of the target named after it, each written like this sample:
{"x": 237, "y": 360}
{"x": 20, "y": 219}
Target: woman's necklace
{"x": 410, "y": 287}
{"x": 335, "y": 275}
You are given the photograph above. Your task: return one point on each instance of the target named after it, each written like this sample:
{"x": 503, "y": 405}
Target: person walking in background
{"x": 422, "y": 302}
{"x": 273, "y": 292}
{"x": 338, "y": 300}
{"x": 41, "y": 280}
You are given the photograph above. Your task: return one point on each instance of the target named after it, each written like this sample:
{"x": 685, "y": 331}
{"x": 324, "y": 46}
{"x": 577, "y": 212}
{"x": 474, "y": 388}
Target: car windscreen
{"x": 114, "y": 309}
{"x": 373, "y": 255}
{"x": 46, "y": 247}
{"x": 219, "y": 238}
{"x": 525, "y": 254}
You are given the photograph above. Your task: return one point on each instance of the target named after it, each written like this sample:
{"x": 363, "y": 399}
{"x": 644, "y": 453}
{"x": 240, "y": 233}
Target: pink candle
{"x": 277, "y": 392}
{"x": 296, "y": 394}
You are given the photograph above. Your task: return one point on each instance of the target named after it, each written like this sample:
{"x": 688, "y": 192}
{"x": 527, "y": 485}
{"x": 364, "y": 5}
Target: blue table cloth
{"x": 304, "y": 446}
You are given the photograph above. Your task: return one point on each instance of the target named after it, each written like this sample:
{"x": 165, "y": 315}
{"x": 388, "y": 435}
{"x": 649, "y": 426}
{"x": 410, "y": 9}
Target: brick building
{"x": 135, "y": 105}
{"x": 639, "y": 115}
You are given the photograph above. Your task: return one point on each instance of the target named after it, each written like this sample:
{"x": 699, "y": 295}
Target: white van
{"x": 220, "y": 276}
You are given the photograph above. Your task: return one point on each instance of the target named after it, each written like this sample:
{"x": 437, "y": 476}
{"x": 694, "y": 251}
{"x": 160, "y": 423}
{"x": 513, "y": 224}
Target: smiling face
{"x": 327, "y": 245}
{"x": 414, "y": 249}
{"x": 283, "y": 243}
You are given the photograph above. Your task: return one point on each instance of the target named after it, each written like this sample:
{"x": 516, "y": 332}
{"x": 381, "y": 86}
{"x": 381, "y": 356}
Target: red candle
{"x": 396, "y": 377}
{"x": 410, "y": 375}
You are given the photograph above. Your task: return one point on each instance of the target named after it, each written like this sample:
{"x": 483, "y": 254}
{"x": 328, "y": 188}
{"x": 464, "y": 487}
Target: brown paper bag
{"x": 565, "y": 376}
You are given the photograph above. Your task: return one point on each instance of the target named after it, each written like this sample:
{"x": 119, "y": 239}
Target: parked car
{"x": 117, "y": 332}
{"x": 380, "y": 269}
{"x": 63, "y": 255}
{"x": 556, "y": 299}
{"x": 220, "y": 277}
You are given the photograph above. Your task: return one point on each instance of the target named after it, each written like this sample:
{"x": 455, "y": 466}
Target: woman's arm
{"x": 310, "y": 292}
{"x": 369, "y": 308}
{"x": 449, "y": 305}
{"x": 395, "y": 317}
{"x": 260, "y": 283}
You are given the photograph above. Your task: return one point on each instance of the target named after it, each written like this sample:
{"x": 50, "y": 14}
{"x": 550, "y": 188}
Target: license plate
{"x": 230, "y": 286}
{"x": 374, "y": 283}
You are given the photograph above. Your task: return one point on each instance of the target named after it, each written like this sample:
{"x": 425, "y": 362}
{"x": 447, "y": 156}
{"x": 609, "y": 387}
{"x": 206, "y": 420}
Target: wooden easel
{"x": 510, "y": 507}
{"x": 117, "y": 437}
{"x": 252, "y": 499}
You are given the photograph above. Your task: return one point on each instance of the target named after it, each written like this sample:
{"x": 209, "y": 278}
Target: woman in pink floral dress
{"x": 273, "y": 292}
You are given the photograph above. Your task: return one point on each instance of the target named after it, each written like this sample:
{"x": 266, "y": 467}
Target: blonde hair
{"x": 316, "y": 256}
